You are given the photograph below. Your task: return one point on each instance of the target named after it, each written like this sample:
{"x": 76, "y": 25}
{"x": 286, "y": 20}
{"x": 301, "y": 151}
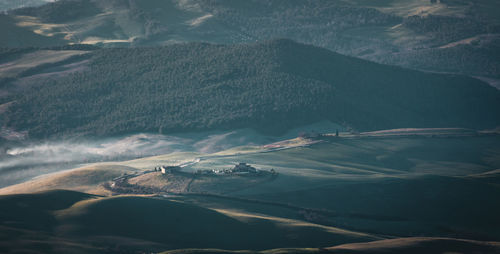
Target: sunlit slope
{"x": 414, "y": 245}
{"x": 91, "y": 178}
{"x": 87, "y": 179}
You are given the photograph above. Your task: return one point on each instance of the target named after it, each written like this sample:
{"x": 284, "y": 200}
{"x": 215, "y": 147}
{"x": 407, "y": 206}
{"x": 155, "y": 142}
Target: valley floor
{"x": 398, "y": 191}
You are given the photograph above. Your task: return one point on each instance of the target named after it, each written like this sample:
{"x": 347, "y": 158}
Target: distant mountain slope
{"x": 221, "y": 21}
{"x": 14, "y": 4}
{"x": 15, "y": 36}
{"x": 395, "y": 32}
{"x": 61, "y": 11}
{"x": 476, "y": 56}
{"x": 269, "y": 86}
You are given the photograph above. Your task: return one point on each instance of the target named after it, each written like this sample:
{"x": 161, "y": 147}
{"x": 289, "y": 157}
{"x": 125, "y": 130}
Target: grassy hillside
{"x": 33, "y": 212}
{"x": 150, "y": 224}
{"x": 87, "y": 179}
{"x": 399, "y": 245}
{"x": 345, "y": 190}
{"x": 419, "y": 245}
{"x": 270, "y": 86}
{"x": 440, "y": 187}
{"x": 396, "y": 186}
{"x": 63, "y": 221}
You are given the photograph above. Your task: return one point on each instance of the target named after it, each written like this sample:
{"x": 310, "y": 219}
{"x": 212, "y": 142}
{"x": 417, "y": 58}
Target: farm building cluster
{"x": 239, "y": 169}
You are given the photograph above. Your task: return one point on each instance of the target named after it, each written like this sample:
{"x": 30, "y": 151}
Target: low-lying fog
{"x": 22, "y": 163}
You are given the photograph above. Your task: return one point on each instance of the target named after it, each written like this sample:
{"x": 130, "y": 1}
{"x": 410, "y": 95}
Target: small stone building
{"x": 169, "y": 169}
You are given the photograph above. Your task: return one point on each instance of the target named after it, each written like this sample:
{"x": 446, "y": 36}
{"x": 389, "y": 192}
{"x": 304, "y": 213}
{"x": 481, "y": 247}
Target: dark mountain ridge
{"x": 271, "y": 86}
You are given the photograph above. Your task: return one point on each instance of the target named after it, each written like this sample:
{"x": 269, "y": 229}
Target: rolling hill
{"x": 270, "y": 86}
{"x": 66, "y": 221}
{"x": 378, "y": 194}
{"x": 394, "y": 32}
{"x": 132, "y": 223}
{"x": 441, "y": 186}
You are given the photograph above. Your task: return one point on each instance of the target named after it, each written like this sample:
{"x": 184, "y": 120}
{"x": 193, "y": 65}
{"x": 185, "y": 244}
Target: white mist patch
{"x": 28, "y": 161}
{"x": 95, "y": 40}
{"x": 128, "y": 147}
{"x": 199, "y": 20}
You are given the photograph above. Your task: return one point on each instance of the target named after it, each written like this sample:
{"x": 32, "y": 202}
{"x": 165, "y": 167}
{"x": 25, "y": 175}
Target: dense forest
{"x": 270, "y": 86}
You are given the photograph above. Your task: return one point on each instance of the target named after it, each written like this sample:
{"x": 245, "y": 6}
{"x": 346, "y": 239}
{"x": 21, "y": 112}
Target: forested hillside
{"x": 270, "y": 86}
